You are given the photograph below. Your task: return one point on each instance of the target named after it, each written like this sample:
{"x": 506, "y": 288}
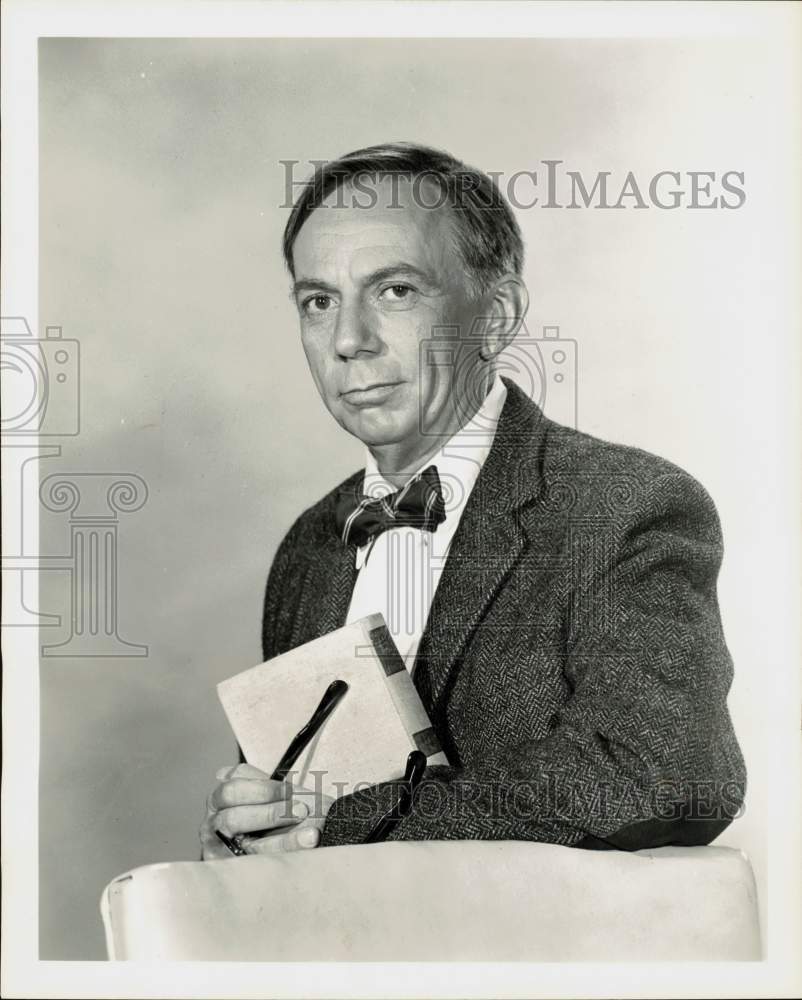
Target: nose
{"x": 355, "y": 334}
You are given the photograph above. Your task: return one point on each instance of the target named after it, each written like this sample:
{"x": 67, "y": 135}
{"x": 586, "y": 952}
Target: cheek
{"x": 437, "y": 371}
{"x": 409, "y": 346}
{"x": 317, "y": 357}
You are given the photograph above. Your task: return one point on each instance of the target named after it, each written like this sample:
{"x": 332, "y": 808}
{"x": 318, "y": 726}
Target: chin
{"x": 374, "y": 428}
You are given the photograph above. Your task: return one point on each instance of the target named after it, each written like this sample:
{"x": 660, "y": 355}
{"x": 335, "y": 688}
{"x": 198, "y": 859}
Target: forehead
{"x": 348, "y": 232}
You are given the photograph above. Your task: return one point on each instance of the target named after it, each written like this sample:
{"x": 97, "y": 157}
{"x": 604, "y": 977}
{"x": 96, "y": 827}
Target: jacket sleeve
{"x": 642, "y": 753}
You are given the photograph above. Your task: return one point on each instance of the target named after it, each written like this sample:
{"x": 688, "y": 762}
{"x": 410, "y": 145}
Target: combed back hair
{"x": 486, "y": 234}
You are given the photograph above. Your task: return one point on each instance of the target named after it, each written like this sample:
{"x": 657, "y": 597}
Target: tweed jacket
{"x": 573, "y": 662}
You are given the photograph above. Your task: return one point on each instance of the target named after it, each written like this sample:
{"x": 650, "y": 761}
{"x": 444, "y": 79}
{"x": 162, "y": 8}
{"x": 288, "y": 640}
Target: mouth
{"x": 370, "y": 395}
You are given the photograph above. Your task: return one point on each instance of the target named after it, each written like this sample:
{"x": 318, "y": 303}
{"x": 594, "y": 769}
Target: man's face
{"x": 370, "y": 285}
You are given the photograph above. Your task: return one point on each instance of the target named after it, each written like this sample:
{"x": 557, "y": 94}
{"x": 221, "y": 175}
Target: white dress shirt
{"x": 399, "y": 569}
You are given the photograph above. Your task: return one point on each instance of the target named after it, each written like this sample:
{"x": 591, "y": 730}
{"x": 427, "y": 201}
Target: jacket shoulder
{"x": 588, "y": 473}
{"x": 318, "y": 518}
{"x": 621, "y": 478}
{"x": 307, "y": 538}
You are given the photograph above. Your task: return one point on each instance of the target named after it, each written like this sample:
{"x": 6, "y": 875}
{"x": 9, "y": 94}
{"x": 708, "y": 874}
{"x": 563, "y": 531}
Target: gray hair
{"x": 486, "y": 233}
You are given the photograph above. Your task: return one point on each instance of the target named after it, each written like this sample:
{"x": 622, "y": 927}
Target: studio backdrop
{"x": 187, "y": 434}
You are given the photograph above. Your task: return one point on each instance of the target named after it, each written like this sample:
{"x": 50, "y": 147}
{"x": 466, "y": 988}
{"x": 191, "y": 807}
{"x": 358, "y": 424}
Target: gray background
{"x": 160, "y": 222}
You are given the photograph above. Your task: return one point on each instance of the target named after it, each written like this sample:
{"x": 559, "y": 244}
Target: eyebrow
{"x": 400, "y": 269}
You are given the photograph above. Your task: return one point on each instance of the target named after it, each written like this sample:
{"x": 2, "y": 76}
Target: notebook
{"x": 369, "y": 735}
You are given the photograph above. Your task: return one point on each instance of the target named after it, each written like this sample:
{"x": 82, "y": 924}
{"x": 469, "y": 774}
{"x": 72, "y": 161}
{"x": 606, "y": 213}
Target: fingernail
{"x": 300, "y": 810}
{"x": 222, "y": 774}
{"x": 308, "y": 837}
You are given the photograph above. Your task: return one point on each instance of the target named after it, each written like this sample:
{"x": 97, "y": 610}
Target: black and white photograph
{"x": 401, "y": 499}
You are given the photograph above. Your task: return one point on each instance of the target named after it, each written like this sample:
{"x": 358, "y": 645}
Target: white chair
{"x": 444, "y": 901}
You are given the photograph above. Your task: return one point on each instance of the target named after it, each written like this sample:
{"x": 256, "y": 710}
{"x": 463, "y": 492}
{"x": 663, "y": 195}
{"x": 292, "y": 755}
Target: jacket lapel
{"x": 335, "y": 586}
{"x": 486, "y": 546}
{"x": 481, "y": 556}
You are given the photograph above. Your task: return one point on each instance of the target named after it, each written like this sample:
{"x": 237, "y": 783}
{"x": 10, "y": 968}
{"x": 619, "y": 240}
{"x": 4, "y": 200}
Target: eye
{"x": 397, "y": 293}
{"x": 317, "y": 304}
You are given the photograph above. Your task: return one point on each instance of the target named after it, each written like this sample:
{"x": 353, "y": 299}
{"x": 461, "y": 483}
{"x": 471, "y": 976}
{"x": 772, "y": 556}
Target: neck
{"x": 397, "y": 461}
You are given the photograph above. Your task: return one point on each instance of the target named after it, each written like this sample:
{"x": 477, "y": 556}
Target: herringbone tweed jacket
{"x": 573, "y": 663}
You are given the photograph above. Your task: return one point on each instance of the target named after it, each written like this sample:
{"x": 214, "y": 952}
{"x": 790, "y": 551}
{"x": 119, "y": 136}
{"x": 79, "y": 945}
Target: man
{"x": 556, "y": 599}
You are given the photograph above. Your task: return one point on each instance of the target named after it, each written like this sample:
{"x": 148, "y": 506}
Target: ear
{"x": 508, "y": 304}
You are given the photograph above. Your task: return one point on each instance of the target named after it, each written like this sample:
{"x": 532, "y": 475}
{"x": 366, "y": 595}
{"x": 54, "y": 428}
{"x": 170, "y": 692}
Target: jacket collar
{"x": 512, "y": 474}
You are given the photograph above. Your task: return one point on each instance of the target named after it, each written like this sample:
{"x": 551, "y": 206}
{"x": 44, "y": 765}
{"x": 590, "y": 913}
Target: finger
{"x": 248, "y": 771}
{"x": 248, "y": 791}
{"x": 318, "y": 803}
{"x": 208, "y": 831}
{"x": 239, "y": 771}
{"x": 300, "y": 839}
{"x": 214, "y": 850}
{"x": 246, "y": 819}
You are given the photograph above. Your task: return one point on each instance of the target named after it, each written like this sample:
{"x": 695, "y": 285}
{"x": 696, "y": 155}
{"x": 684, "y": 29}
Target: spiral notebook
{"x": 369, "y": 735}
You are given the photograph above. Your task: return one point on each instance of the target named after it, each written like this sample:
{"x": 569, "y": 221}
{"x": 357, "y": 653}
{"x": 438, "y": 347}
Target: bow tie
{"x": 419, "y": 505}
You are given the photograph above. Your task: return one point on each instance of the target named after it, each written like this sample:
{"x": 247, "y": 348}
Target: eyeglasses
{"x": 413, "y": 774}
{"x": 334, "y": 694}
{"x": 416, "y": 765}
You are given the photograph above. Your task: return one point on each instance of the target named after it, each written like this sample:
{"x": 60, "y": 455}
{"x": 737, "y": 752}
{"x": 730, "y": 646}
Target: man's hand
{"x": 247, "y": 800}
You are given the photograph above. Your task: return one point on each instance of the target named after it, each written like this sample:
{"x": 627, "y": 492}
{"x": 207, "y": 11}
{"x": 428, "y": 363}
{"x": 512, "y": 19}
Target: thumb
{"x": 239, "y": 771}
{"x": 248, "y": 771}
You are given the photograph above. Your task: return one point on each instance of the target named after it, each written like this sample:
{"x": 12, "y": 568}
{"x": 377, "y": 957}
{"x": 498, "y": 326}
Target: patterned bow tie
{"x": 419, "y": 505}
